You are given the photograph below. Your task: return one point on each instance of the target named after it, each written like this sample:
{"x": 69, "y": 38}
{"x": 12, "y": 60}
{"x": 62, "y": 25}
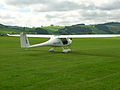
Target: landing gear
{"x": 51, "y": 50}
{"x": 66, "y": 50}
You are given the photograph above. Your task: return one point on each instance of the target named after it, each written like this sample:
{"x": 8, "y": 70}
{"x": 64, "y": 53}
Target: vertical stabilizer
{"x": 24, "y": 40}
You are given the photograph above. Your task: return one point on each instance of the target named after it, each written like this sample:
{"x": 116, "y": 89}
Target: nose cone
{"x": 70, "y": 41}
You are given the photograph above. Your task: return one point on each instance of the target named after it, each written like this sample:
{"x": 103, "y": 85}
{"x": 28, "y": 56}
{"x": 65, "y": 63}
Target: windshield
{"x": 64, "y": 41}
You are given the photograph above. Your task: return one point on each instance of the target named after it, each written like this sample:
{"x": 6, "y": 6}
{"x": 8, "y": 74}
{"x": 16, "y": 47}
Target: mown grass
{"x": 94, "y": 64}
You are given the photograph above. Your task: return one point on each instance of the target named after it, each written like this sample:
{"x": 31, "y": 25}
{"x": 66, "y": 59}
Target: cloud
{"x": 63, "y": 5}
{"x": 22, "y": 19}
{"x": 67, "y": 6}
{"x": 26, "y": 2}
{"x": 113, "y": 5}
{"x": 58, "y": 12}
{"x": 49, "y": 5}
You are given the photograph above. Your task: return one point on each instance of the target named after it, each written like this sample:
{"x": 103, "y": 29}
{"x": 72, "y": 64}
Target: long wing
{"x": 34, "y": 35}
{"x": 70, "y": 36}
{"x": 88, "y": 36}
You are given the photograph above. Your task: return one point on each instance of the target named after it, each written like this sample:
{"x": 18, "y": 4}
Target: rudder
{"x": 24, "y": 41}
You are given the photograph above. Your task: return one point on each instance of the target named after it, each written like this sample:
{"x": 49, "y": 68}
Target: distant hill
{"x": 10, "y": 29}
{"x": 105, "y": 28}
{"x": 111, "y": 23}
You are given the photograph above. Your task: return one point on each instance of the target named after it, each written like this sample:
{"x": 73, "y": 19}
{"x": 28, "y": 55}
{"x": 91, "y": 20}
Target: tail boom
{"x": 25, "y": 42}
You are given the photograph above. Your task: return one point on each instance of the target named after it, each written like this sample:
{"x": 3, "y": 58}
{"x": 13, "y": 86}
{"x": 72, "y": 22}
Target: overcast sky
{"x": 36, "y": 13}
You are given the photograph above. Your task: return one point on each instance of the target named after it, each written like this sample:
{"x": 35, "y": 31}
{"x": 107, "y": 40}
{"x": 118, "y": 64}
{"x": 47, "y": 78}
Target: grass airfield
{"x": 93, "y": 64}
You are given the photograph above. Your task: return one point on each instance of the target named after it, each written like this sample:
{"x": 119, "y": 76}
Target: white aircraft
{"x": 56, "y": 40}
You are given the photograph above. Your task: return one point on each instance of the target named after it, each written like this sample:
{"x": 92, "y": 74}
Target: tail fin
{"x": 24, "y": 41}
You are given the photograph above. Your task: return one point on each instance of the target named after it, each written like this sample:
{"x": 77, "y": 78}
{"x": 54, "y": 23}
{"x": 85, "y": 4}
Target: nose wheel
{"x": 51, "y": 50}
{"x": 66, "y": 50}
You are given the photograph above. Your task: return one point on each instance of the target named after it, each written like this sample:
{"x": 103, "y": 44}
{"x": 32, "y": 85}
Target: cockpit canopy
{"x": 64, "y": 41}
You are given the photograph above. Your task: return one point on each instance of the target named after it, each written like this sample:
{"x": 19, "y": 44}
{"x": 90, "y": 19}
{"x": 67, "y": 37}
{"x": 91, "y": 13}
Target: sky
{"x": 36, "y": 13}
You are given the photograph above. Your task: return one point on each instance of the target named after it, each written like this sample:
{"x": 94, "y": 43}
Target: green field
{"x": 53, "y": 28}
{"x": 94, "y": 64}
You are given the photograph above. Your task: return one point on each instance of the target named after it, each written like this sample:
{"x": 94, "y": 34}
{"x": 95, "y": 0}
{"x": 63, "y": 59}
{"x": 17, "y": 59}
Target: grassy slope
{"x": 6, "y": 30}
{"x": 94, "y": 64}
{"x": 114, "y": 28}
{"x": 53, "y": 28}
{"x": 94, "y": 29}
